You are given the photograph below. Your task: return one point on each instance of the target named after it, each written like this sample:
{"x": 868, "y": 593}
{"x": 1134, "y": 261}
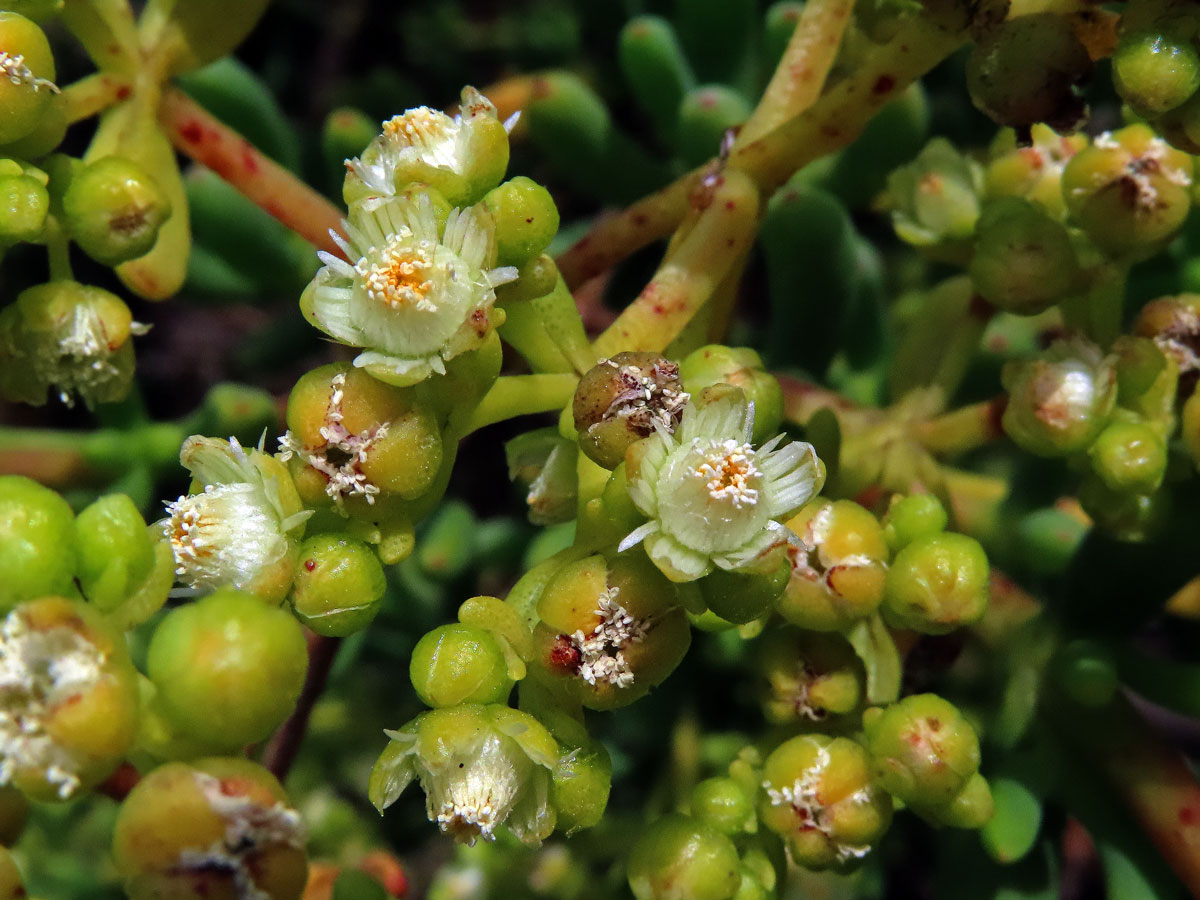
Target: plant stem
{"x": 93, "y": 94}
{"x": 285, "y": 743}
{"x": 962, "y": 429}
{"x": 199, "y": 135}
{"x": 522, "y": 395}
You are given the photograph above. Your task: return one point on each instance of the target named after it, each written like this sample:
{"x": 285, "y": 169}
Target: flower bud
{"x": 24, "y": 203}
{"x": 545, "y": 463}
{"x": 1128, "y": 190}
{"x": 743, "y": 368}
{"x": 37, "y": 542}
{"x": 1048, "y": 538}
{"x": 243, "y": 524}
{"x": 526, "y": 219}
{"x": 936, "y": 584}
{"x": 1148, "y": 382}
{"x": 70, "y": 705}
{"x": 681, "y": 858}
{"x": 1173, "y": 323}
{"x": 462, "y": 157}
{"x": 215, "y": 827}
{"x": 1087, "y": 672}
{"x": 1033, "y": 172}
{"x": 1024, "y": 262}
{"x": 1155, "y": 70}
{"x": 113, "y": 209}
{"x": 972, "y": 807}
{"x": 922, "y": 750}
{"x": 911, "y": 517}
{"x": 819, "y": 797}
{"x": 621, "y": 400}
{"x": 722, "y": 803}
{"x": 70, "y": 337}
{"x": 26, "y": 76}
{"x": 838, "y": 573}
{"x": 581, "y": 782}
{"x": 228, "y": 668}
{"x": 116, "y": 552}
{"x": 935, "y": 198}
{"x": 741, "y": 597}
{"x": 1059, "y": 402}
{"x": 1129, "y": 456}
{"x": 456, "y": 664}
{"x": 481, "y": 767}
{"x": 610, "y": 630}
{"x": 338, "y": 585}
{"x": 810, "y": 676}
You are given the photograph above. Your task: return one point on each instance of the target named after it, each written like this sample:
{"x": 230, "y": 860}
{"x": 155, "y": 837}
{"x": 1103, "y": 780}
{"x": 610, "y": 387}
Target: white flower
{"x": 413, "y": 296}
{"x": 713, "y": 499}
{"x": 237, "y": 530}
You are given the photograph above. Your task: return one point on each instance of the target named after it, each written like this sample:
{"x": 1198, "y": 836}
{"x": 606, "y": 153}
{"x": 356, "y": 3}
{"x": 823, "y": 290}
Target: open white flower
{"x": 712, "y": 499}
{"x": 243, "y": 527}
{"x": 414, "y": 295}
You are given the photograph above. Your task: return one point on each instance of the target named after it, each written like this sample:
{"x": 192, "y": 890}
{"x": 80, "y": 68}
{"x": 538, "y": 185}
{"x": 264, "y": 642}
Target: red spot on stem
{"x": 884, "y": 84}
{"x": 191, "y": 132}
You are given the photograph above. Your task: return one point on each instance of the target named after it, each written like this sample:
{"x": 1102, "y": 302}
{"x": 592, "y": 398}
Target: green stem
{"x": 93, "y": 94}
{"x": 521, "y": 395}
{"x": 58, "y": 249}
{"x": 960, "y": 430}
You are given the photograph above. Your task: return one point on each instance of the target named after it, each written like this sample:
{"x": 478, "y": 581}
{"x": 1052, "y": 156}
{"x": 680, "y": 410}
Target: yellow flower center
{"x": 418, "y": 126}
{"x": 401, "y": 277}
{"x": 729, "y": 472}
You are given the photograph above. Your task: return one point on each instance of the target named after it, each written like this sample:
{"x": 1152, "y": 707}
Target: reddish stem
{"x": 285, "y": 743}
{"x": 120, "y": 782}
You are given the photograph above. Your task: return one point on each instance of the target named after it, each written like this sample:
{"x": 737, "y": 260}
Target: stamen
{"x": 803, "y": 796}
{"x": 600, "y": 653}
{"x": 14, "y": 69}
{"x": 728, "y": 468}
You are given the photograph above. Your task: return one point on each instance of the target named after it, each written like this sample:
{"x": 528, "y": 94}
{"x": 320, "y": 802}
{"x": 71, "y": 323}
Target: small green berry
{"x": 1024, "y": 262}
{"x": 113, "y": 209}
{"x": 24, "y": 203}
{"x": 37, "y": 541}
{"x": 26, "y": 76}
{"x": 456, "y": 664}
{"x": 338, "y": 585}
{"x": 911, "y": 517}
{"x": 526, "y": 219}
{"x": 681, "y": 858}
{"x": 1155, "y": 71}
{"x": 936, "y": 584}
{"x": 743, "y": 368}
{"x": 1129, "y": 456}
{"x": 116, "y": 553}
{"x": 722, "y": 803}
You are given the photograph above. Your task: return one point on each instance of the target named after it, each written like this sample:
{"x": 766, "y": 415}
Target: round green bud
{"x": 456, "y": 664}
{"x": 618, "y": 401}
{"x": 935, "y": 198}
{"x": 218, "y": 827}
{"x": 26, "y": 76}
{"x": 1087, "y": 672}
{"x": 11, "y": 887}
{"x": 912, "y": 517}
{"x": 1048, "y": 538}
{"x": 743, "y": 368}
{"x": 526, "y": 219}
{"x": 936, "y": 584}
{"x": 1156, "y": 70}
{"x": 810, "y": 676}
{"x": 818, "y": 795}
{"x": 228, "y": 667}
{"x": 1129, "y": 456}
{"x": 580, "y": 785}
{"x": 722, "y": 803}
{"x": 1035, "y": 171}
{"x": 338, "y": 586}
{"x": 24, "y": 203}
{"x": 536, "y": 277}
{"x": 741, "y": 597}
{"x": 972, "y": 807}
{"x": 923, "y": 751}
{"x": 1059, "y": 402}
{"x": 113, "y": 209}
{"x": 1129, "y": 190}
{"x": 1024, "y": 262}
{"x": 37, "y": 541}
{"x": 115, "y": 551}
{"x": 681, "y": 858}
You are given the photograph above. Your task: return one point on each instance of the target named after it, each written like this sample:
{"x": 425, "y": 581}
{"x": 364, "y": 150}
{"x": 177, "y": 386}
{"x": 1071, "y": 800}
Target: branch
{"x": 285, "y": 743}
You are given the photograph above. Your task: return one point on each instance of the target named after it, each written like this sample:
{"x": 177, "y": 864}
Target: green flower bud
{"x": 911, "y": 517}
{"x": 242, "y": 525}
{"x": 1033, "y": 172}
{"x": 1128, "y": 190}
{"x": 610, "y": 630}
{"x": 935, "y": 198}
{"x": 1155, "y": 70}
{"x": 1024, "y": 262}
{"x": 743, "y": 368}
{"x": 353, "y": 441}
{"x": 1027, "y": 69}
{"x": 819, "y": 797}
{"x": 113, "y": 209}
{"x": 1129, "y": 456}
{"x": 536, "y": 277}
{"x": 26, "y": 76}
{"x": 1048, "y": 538}
{"x": 722, "y": 803}
{"x": 838, "y": 574}
{"x": 456, "y": 664}
{"x": 680, "y": 858}
{"x": 69, "y": 710}
{"x": 462, "y": 157}
{"x": 338, "y": 585}
{"x": 228, "y": 668}
{"x": 546, "y": 463}
{"x": 1088, "y": 673}
{"x": 24, "y": 203}
{"x": 741, "y": 597}
{"x": 72, "y": 338}
{"x": 936, "y": 584}
{"x": 810, "y": 676}
{"x": 619, "y": 401}
{"x": 580, "y": 785}
{"x": 1173, "y": 323}
{"x": 972, "y": 807}
{"x": 116, "y": 552}
{"x": 922, "y": 750}
{"x": 218, "y": 827}
{"x": 1059, "y": 402}
{"x": 1148, "y": 378}
{"x": 37, "y": 542}
{"x": 526, "y": 219}
{"x": 480, "y": 767}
